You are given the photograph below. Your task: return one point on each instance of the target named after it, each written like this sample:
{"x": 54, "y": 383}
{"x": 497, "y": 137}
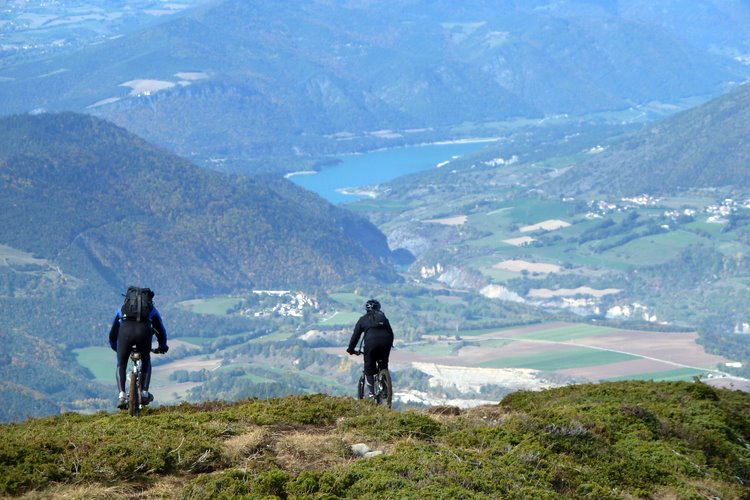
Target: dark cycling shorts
{"x": 138, "y": 334}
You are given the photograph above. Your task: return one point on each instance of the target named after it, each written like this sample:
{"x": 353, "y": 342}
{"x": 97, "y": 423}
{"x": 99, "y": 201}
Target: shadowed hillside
{"x": 614, "y": 440}
{"x": 100, "y": 202}
{"x": 704, "y": 147}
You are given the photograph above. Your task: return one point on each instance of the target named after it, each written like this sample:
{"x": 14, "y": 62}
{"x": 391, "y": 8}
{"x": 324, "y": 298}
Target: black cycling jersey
{"x": 378, "y": 341}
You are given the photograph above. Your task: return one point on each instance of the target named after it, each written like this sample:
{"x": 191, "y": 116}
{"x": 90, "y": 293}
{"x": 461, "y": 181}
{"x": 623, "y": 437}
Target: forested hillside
{"x": 704, "y": 147}
{"x": 97, "y": 200}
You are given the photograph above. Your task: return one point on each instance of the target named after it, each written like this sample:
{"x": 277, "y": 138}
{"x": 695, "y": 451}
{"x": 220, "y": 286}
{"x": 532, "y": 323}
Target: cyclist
{"x": 378, "y": 340}
{"x": 128, "y": 330}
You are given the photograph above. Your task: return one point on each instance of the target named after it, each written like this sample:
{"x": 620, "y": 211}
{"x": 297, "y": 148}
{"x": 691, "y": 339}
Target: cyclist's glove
{"x": 350, "y": 350}
{"x": 163, "y": 348}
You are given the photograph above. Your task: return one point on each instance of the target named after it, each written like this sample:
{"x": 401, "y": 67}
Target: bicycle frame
{"x": 134, "y": 396}
{"x": 383, "y": 384}
{"x": 135, "y": 381}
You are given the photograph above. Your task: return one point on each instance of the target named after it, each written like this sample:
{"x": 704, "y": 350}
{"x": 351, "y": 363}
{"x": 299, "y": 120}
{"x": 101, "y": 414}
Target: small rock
{"x": 360, "y": 449}
{"x": 373, "y": 453}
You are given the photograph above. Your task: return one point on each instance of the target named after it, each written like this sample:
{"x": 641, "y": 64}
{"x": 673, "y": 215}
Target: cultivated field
{"x": 567, "y": 352}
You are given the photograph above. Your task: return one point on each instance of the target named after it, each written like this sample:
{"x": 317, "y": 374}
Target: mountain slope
{"x": 704, "y": 147}
{"x": 80, "y": 191}
{"x": 89, "y": 208}
{"x": 247, "y": 81}
{"x": 614, "y": 440}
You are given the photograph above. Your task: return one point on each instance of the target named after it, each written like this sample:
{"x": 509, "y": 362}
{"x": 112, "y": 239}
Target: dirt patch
{"x": 679, "y": 348}
{"x": 521, "y": 241}
{"x": 546, "y": 293}
{"x": 518, "y": 266}
{"x": 138, "y": 87}
{"x": 457, "y": 220}
{"x": 547, "y": 225}
{"x": 630, "y": 368}
{"x": 467, "y": 378}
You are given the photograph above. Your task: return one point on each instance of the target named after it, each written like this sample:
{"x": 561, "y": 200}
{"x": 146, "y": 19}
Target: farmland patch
{"x": 545, "y": 293}
{"x": 547, "y": 225}
{"x": 522, "y": 265}
{"x": 569, "y": 357}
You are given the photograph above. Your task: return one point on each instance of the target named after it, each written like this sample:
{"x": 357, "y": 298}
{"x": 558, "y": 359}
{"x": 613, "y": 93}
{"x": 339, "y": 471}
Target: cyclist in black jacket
{"x": 378, "y": 336}
{"x": 125, "y": 333}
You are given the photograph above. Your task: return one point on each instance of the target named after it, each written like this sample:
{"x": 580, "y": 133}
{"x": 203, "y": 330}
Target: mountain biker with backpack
{"x": 378, "y": 340}
{"x": 135, "y": 323}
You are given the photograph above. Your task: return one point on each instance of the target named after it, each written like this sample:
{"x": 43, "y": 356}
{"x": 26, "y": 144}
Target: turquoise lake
{"x": 358, "y": 171}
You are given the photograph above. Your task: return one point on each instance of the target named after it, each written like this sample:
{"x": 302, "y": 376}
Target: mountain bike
{"x": 135, "y": 394}
{"x": 383, "y": 386}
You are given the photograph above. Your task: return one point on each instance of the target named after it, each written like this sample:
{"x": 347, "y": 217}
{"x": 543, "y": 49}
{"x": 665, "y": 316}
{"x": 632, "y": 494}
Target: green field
{"x": 562, "y": 359}
{"x": 685, "y": 374}
{"x": 464, "y": 333}
{"x": 655, "y": 249}
{"x": 100, "y": 361}
{"x": 208, "y": 340}
{"x": 273, "y": 337}
{"x": 569, "y": 332}
{"x": 436, "y": 349}
{"x": 217, "y": 306}
{"x": 340, "y": 319}
{"x": 351, "y": 300}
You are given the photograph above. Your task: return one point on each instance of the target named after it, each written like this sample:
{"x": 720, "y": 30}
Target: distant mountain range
{"x": 101, "y": 202}
{"x": 704, "y": 147}
{"x": 270, "y": 86}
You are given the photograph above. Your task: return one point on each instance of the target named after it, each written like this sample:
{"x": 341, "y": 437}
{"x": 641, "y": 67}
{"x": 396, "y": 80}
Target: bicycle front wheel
{"x": 133, "y": 406}
{"x": 385, "y": 389}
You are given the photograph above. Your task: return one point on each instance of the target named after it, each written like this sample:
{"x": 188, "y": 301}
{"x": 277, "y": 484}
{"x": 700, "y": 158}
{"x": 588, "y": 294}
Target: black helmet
{"x": 372, "y": 305}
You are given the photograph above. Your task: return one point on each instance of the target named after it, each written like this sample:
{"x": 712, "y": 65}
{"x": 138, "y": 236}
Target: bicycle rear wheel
{"x": 361, "y": 387}
{"x": 134, "y": 407}
{"x": 385, "y": 388}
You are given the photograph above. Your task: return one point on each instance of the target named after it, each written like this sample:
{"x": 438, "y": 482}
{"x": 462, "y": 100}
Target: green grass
{"x": 678, "y": 374}
{"x": 712, "y": 228}
{"x": 606, "y": 441}
{"x": 208, "y": 340}
{"x": 464, "y": 333}
{"x": 273, "y": 337}
{"x": 532, "y": 210}
{"x": 100, "y": 361}
{"x": 343, "y": 318}
{"x": 570, "y": 332}
{"x": 562, "y": 359}
{"x": 217, "y": 306}
{"x": 655, "y": 249}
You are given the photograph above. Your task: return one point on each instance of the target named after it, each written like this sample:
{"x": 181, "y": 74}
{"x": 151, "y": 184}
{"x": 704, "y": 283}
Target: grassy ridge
{"x": 612, "y": 440}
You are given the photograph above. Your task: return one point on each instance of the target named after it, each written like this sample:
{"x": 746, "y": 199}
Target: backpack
{"x": 138, "y": 304}
{"x": 377, "y": 320}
